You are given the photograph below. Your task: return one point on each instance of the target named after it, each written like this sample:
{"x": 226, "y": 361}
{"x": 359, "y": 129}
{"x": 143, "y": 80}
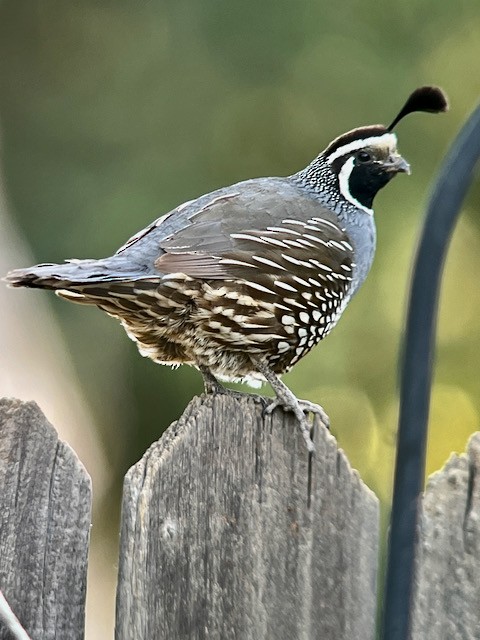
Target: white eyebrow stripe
{"x": 389, "y": 139}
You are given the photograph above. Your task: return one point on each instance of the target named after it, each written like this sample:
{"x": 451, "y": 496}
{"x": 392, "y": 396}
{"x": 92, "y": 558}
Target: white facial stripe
{"x": 389, "y": 139}
{"x": 343, "y": 178}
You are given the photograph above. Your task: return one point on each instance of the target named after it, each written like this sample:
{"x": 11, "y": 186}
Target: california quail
{"x": 242, "y": 282}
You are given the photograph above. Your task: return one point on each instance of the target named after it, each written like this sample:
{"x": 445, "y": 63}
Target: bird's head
{"x": 365, "y": 159}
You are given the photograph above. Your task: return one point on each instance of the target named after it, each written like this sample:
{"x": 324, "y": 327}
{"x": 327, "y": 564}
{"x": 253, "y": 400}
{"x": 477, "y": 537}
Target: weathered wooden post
{"x": 446, "y": 604}
{"x": 219, "y": 540}
{"x": 45, "y": 499}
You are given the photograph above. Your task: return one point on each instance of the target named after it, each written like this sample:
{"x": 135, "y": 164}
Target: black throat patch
{"x": 366, "y": 181}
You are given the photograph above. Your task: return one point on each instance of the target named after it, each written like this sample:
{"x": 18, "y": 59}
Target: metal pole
{"x": 452, "y": 184}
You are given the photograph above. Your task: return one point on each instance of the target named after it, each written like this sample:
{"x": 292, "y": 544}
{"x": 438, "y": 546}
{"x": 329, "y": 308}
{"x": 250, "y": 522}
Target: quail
{"x": 242, "y": 282}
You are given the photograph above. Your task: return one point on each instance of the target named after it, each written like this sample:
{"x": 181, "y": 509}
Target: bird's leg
{"x": 289, "y": 402}
{"x": 213, "y": 386}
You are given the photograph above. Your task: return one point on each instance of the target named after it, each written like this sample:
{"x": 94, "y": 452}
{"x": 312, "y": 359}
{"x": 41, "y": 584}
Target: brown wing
{"x": 249, "y": 232}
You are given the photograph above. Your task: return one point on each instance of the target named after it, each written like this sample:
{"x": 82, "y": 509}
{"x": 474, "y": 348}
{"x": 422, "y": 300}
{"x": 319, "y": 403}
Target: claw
{"x": 305, "y": 429}
{"x": 305, "y": 405}
{"x": 269, "y": 407}
{"x": 316, "y": 410}
{"x": 303, "y": 423}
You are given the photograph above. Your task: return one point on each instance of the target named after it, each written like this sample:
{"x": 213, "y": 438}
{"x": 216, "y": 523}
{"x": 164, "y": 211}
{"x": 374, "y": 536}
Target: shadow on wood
{"x": 45, "y": 502}
{"x": 218, "y": 541}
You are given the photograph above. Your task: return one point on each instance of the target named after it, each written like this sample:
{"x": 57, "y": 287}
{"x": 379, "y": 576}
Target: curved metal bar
{"x": 451, "y": 186}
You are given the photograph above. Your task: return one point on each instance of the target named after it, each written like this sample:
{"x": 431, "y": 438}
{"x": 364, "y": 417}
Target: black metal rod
{"x": 449, "y": 191}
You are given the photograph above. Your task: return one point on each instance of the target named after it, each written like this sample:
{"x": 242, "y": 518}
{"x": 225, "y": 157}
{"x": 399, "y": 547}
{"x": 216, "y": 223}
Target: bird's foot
{"x": 306, "y": 407}
{"x": 302, "y": 409}
{"x": 289, "y": 402}
{"x": 303, "y": 422}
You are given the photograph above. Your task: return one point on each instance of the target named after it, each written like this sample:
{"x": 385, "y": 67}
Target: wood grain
{"x": 447, "y": 599}
{"x": 219, "y": 540}
{"x": 45, "y": 499}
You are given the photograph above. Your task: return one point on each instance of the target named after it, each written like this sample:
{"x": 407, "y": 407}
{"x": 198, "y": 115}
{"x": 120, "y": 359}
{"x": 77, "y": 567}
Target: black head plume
{"x": 429, "y": 99}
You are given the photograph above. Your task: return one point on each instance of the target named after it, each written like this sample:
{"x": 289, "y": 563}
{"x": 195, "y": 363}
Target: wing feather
{"x": 221, "y": 237}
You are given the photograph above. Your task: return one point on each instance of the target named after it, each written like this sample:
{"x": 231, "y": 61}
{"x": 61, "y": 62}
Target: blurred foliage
{"x": 112, "y": 113}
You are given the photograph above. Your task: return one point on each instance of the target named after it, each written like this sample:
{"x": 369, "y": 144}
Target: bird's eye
{"x": 363, "y": 156}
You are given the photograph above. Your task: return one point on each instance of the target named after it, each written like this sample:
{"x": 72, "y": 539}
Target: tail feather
{"x": 74, "y": 274}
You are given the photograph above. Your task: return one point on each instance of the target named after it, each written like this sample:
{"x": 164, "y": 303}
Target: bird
{"x": 243, "y": 282}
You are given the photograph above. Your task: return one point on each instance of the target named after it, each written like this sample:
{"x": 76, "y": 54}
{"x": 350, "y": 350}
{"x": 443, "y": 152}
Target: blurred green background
{"x": 112, "y": 113}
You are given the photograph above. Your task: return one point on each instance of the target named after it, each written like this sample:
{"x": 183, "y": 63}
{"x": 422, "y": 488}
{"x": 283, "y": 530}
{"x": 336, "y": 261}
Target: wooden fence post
{"x": 447, "y": 598}
{"x": 218, "y": 540}
{"x": 45, "y": 499}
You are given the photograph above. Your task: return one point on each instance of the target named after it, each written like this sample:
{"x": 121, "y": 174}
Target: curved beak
{"x": 396, "y": 164}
